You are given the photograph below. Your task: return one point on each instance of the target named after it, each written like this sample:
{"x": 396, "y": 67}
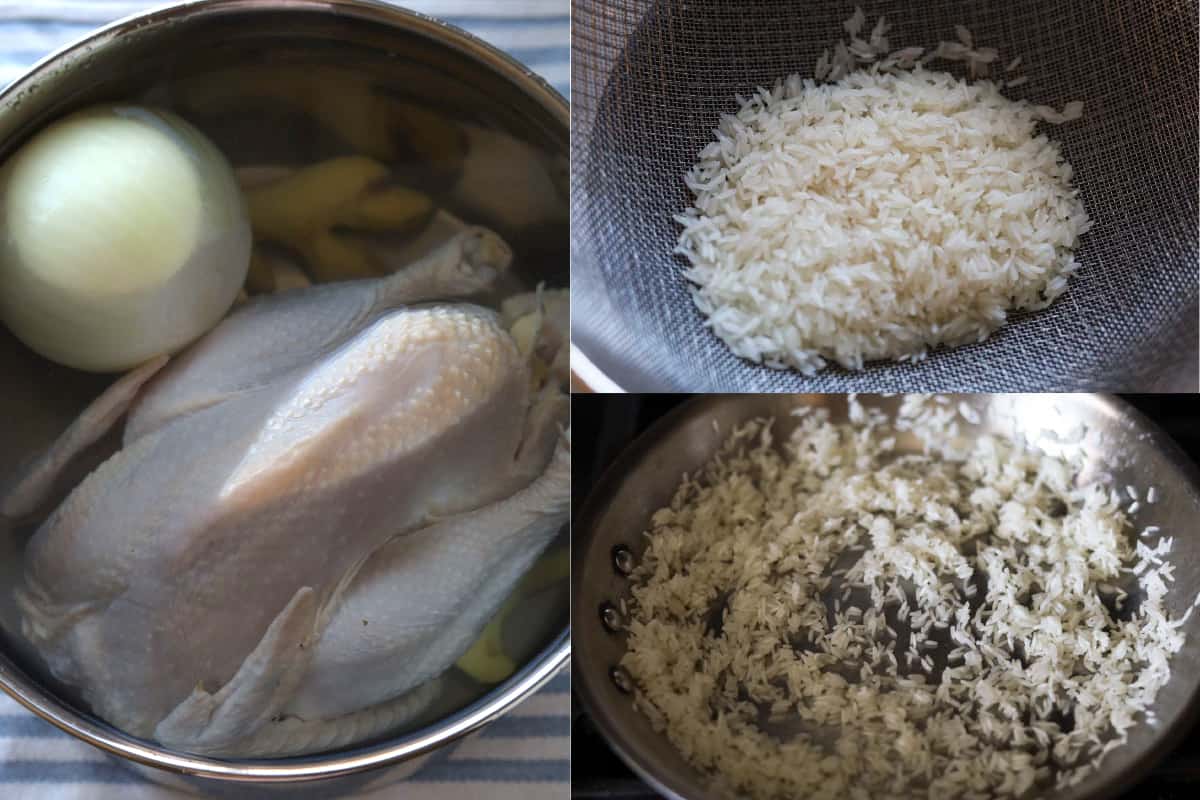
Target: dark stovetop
{"x": 604, "y": 424}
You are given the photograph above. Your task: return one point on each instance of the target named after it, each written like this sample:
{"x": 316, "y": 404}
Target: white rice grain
{"x": 756, "y": 528}
{"x": 855, "y": 24}
{"x": 818, "y": 234}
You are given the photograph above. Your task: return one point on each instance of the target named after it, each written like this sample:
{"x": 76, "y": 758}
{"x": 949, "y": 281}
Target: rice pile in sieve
{"x": 890, "y": 210}
{"x": 829, "y": 616}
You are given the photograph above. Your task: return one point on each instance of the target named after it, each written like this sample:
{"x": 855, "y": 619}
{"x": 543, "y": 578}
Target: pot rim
{"x": 531, "y": 677}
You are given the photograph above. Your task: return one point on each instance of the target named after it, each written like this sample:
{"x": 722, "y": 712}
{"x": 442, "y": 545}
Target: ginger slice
{"x": 308, "y": 209}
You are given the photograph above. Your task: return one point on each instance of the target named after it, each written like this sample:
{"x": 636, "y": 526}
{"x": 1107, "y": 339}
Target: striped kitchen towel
{"x": 535, "y": 32}
{"x": 523, "y": 756}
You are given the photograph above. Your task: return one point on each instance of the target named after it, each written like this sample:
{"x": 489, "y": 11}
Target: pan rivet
{"x": 611, "y": 618}
{"x": 623, "y": 559}
{"x": 621, "y": 679}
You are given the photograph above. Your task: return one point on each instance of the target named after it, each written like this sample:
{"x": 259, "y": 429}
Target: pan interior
{"x": 1120, "y": 445}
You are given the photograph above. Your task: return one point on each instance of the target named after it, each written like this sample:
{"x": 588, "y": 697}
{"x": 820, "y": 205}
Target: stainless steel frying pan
{"x": 607, "y": 540}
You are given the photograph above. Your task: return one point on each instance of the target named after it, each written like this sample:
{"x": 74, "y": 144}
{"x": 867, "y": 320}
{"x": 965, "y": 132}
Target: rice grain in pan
{"x": 992, "y": 545}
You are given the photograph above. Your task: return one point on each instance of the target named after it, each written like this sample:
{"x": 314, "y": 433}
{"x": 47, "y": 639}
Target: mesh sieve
{"x": 651, "y": 79}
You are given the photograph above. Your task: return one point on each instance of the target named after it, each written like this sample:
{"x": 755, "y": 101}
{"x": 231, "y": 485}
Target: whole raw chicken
{"x": 315, "y": 511}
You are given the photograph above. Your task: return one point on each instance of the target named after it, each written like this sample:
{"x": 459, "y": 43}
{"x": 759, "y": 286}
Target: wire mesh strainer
{"x": 651, "y": 79}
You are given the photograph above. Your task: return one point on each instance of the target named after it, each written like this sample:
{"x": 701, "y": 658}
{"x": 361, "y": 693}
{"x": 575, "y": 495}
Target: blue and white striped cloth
{"x": 535, "y": 32}
{"x": 523, "y": 756}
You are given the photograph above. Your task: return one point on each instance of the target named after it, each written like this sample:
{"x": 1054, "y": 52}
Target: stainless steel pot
{"x": 147, "y": 58}
{"x": 606, "y": 540}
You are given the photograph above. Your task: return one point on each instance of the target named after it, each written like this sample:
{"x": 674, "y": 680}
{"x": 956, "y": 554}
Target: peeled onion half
{"x": 124, "y": 236}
